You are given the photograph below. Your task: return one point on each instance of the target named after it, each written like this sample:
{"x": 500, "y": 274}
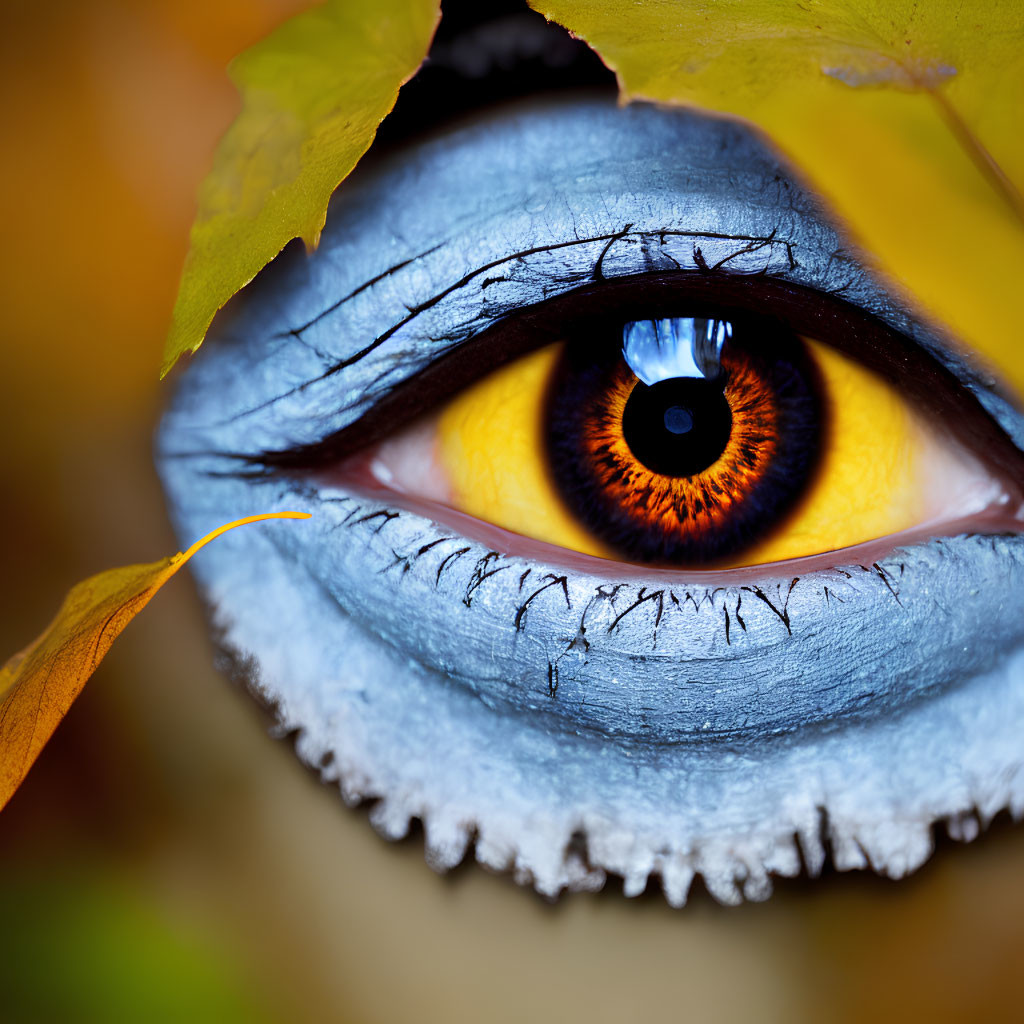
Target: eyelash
{"x": 731, "y": 596}
{"x": 770, "y": 613}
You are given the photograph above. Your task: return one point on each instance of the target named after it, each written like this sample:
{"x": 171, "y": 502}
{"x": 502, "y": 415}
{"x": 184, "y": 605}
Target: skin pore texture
{"x": 570, "y": 720}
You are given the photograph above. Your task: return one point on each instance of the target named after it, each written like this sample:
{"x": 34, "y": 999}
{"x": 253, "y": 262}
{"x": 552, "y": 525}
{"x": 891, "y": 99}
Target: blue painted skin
{"x": 733, "y": 731}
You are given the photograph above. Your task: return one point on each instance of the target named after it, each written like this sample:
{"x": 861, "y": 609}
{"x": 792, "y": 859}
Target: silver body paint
{"x": 572, "y": 724}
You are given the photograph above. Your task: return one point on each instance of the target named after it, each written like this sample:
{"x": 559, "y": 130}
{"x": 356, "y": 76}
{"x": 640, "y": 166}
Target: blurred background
{"x": 166, "y": 859}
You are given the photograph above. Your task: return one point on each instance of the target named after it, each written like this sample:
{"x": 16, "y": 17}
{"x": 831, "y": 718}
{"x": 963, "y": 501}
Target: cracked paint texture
{"x": 567, "y": 724}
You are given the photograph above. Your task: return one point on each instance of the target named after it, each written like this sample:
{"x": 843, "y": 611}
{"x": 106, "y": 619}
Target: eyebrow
{"x": 488, "y": 54}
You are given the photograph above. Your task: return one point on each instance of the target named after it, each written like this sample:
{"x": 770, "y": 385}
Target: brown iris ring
{"x": 742, "y": 454}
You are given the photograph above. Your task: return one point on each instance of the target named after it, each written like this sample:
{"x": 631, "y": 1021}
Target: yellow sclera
{"x": 490, "y": 444}
{"x": 870, "y": 481}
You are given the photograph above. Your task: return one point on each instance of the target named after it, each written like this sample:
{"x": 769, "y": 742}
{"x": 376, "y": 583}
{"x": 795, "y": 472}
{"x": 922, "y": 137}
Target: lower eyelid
{"x": 534, "y": 773}
{"x": 690, "y": 655}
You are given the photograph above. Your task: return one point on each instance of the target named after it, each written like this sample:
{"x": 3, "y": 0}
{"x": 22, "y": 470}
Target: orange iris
{"x": 685, "y": 507}
{"x": 685, "y": 470}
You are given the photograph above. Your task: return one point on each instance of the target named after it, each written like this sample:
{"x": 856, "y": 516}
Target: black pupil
{"x": 677, "y": 427}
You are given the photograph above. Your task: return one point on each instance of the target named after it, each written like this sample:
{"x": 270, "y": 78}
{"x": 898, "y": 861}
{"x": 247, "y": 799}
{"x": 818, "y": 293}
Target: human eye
{"x": 696, "y": 442}
{"x": 569, "y": 703}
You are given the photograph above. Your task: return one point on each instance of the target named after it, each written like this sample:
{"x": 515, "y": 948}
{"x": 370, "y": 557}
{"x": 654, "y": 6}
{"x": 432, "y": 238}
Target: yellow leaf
{"x": 313, "y": 93}
{"x": 907, "y": 116}
{"x": 39, "y": 684}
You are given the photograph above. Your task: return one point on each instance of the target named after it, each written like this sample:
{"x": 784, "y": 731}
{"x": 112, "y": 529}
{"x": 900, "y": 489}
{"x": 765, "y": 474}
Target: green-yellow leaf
{"x": 313, "y": 94}
{"x": 39, "y": 684}
{"x": 908, "y": 116}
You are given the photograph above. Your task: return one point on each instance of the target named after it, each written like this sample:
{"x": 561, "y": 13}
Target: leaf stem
{"x": 203, "y": 541}
{"x": 982, "y": 158}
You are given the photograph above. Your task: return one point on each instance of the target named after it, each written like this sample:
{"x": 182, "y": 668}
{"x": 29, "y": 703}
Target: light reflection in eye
{"x": 565, "y": 716}
{"x": 657, "y": 350}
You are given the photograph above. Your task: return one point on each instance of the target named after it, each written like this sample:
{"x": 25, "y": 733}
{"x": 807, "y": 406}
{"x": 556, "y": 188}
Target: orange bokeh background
{"x": 162, "y": 792}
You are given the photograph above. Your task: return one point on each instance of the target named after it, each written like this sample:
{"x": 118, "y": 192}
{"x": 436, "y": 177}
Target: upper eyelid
{"x": 300, "y": 363}
{"x": 747, "y": 245}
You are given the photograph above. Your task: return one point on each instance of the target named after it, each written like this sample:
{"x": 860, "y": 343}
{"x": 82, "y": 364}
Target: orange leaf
{"x": 39, "y": 684}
